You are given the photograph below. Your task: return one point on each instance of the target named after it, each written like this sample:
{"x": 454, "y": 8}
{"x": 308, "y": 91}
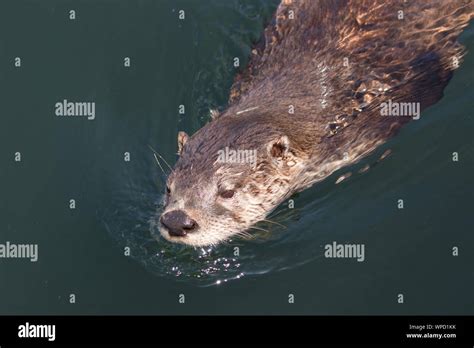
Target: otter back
{"x": 339, "y": 63}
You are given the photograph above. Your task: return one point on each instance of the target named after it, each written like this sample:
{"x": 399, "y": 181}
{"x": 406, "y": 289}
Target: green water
{"x": 174, "y": 62}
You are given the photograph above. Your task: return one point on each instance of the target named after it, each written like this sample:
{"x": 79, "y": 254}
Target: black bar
{"x": 242, "y": 329}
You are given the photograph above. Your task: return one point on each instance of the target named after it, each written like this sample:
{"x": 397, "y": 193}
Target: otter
{"x": 310, "y": 102}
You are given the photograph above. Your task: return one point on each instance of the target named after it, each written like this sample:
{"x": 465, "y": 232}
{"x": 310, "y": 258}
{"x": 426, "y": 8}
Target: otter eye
{"x": 227, "y": 193}
{"x": 168, "y": 190}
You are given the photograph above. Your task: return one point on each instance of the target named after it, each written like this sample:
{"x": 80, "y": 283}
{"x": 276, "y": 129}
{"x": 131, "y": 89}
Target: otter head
{"x": 230, "y": 175}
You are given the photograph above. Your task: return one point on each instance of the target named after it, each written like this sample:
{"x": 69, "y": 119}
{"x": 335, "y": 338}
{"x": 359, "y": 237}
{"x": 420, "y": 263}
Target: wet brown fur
{"x": 411, "y": 57}
{"x": 300, "y": 62}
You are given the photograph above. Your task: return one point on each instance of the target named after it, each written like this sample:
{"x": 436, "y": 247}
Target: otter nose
{"x": 178, "y": 223}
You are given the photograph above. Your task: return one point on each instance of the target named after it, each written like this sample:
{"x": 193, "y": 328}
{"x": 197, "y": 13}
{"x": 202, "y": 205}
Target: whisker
{"x": 157, "y": 154}
{"x": 159, "y": 164}
{"x": 245, "y": 235}
{"x": 260, "y": 229}
{"x": 277, "y": 212}
{"x": 274, "y": 222}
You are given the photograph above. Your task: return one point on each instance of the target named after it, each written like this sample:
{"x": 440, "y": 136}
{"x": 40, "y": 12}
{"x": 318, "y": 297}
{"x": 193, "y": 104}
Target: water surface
{"x": 189, "y": 62}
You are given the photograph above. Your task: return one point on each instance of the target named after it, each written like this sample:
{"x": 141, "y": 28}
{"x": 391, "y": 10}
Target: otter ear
{"x": 182, "y": 139}
{"x": 281, "y": 151}
{"x": 279, "y": 148}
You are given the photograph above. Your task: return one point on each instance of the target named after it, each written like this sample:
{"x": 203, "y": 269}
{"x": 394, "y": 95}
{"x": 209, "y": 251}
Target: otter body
{"x": 319, "y": 93}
